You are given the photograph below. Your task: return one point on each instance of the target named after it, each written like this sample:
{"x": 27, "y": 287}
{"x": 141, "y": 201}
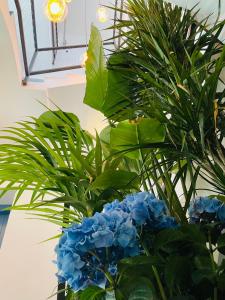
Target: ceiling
{"x": 74, "y": 30}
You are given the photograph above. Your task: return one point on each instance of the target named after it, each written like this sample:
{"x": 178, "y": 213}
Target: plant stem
{"x": 215, "y": 294}
{"x": 162, "y": 292}
{"x": 156, "y": 274}
{"x": 211, "y": 252}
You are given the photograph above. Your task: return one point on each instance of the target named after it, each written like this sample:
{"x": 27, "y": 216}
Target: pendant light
{"x": 102, "y": 14}
{"x": 56, "y": 10}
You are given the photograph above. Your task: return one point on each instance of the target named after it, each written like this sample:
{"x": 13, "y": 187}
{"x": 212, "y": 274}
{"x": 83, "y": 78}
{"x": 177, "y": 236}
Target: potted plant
{"x": 159, "y": 91}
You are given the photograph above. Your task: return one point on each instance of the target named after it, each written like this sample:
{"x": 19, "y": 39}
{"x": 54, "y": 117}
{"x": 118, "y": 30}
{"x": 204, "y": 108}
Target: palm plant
{"x": 64, "y": 168}
{"x": 167, "y": 68}
{"x": 174, "y": 66}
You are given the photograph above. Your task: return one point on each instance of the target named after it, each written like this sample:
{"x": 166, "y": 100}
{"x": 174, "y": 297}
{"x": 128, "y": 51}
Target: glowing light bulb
{"x": 56, "y": 10}
{"x": 84, "y": 59}
{"x": 102, "y": 14}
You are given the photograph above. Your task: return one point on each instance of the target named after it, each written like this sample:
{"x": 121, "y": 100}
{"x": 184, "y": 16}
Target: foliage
{"x": 169, "y": 64}
{"x": 69, "y": 173}
{"x": 159, "y": 92}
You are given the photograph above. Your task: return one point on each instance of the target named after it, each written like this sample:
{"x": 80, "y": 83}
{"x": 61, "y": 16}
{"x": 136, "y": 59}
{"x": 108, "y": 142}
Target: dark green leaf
{"x": 93, "y": 293}
{"x": 221, "y": 243}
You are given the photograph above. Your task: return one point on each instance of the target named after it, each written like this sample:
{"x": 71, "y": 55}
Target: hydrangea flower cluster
{"x": 144, "y": 209}
{"x": 204, "y": 209}
{"x": 87, "y": 251}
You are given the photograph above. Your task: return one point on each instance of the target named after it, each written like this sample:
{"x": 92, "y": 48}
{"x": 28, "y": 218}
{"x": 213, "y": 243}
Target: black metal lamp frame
{"x": 28, "y": 67}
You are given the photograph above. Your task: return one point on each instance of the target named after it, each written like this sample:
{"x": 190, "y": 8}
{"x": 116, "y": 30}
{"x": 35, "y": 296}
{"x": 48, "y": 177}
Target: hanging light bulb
{"x": 102, "y": 14}
{"x": 84, "y": 59}
{"x": 56, "y": 10}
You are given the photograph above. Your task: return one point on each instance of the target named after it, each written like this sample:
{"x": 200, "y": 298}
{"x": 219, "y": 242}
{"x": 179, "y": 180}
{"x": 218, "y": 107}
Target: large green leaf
{"x": 133, "y": 134}
{"x": 107, "y": 90}
{"x": 177, "y": 271}
{"x": 96, "y": 72}
{"x": 93, "y": 293}
{"x": 119, "y": 92}
{"x": 117, "y": 180}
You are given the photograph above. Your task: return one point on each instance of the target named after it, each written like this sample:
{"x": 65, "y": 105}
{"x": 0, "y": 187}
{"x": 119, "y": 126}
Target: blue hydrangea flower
{"x": 87, "y": 250}
{"x": 206, "y": 209}
{"x": 221, "y": 213}
{"x": 147, "y": 210}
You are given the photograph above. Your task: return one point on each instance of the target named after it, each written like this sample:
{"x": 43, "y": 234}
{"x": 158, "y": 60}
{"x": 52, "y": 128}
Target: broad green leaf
{"x": 167, "y": 237}
{"x": 130, "y": 135}
{"x": 105, "y": 134}
{"x": 72, "y": 295}
{"x": 177, "y": 271}
{"x": 136, "y": 267}
{"x": 96, "y": 72}
{"x": 117, "y": 180}
{"x": 93, "y": 293}
{"x": 119, "y": 92}
{"x": 56, "y": 117}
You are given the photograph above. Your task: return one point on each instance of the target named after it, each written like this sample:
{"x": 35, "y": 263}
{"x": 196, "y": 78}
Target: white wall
{"x": 26, "y": 270}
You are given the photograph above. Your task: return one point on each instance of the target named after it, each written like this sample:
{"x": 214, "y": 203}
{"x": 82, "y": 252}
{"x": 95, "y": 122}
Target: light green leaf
{"x": 128, "y": 135}
{"x": 105, "y": 135}
{"x": 96, "y": 72}
{"x": 98, "y": 155}
{"x": 117, "y": 180}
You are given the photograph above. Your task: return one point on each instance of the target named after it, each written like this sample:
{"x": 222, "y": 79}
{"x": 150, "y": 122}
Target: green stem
{"x": 162, "y": 292}
{"x": 156, "y": 274}
{"x": 142, "y": 179}
{"x": 111, "y": 280}
{"x": 145, "y": 169}
{"x": 211, "y": 252}
{"x": 215, "y": 294}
